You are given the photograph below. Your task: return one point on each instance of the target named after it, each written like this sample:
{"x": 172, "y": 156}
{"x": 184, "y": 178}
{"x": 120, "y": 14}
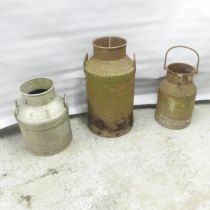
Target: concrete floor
{"x": 151, "y": 168}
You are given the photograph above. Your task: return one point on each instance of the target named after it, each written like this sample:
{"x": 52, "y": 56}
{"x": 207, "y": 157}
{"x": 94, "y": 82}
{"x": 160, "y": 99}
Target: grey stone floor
{"x": 150, "y": 168}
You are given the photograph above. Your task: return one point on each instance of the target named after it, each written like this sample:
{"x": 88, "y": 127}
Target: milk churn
{"x": 176, "y": 95}
{"x": 110, "y": 77}
{"x": 43, "y": 117}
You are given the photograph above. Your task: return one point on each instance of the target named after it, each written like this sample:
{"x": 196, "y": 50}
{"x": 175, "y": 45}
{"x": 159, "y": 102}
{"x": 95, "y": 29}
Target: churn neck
{"x": 180, "y": 73}
{"x": 109, "y": 48}
{"x": 38, "y": 92}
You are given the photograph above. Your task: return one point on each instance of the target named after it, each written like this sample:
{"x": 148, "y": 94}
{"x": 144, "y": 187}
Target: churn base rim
{"x": 109, "y": 134}
{"x": 172, "y": 124}
{"x": 50, "y": 153}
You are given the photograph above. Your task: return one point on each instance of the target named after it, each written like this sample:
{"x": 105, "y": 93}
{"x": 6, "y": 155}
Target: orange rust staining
{"x": 110, "y": 75}
{"x": 176, "y": 95}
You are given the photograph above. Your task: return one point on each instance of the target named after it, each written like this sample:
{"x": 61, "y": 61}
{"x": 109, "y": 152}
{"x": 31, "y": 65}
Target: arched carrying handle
{"x": 180, "y": 46}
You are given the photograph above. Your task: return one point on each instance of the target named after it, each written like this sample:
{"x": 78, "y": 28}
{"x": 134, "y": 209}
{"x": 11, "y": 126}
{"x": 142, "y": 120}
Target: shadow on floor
{"x": 10, "y": 131}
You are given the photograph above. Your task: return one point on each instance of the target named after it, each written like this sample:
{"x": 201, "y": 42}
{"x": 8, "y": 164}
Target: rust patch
{"x": 122, "y": 124}
{"x": 97, "y": 122}
{"x": 99, "y": 133}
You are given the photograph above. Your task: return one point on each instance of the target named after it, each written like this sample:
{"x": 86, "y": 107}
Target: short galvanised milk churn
{"x": 110, "y": 75}
{"x": 176, "y": 95}
{"x": 43, "y": 117}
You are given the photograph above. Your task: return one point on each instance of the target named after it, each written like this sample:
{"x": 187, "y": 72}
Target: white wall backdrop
{"x": 47, "y": 38}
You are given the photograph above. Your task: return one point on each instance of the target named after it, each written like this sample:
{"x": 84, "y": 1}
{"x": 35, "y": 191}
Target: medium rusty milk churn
{"x": 43, "y": 117}
{"x": 176, "y": 95}
{"x": 110, "y": 75}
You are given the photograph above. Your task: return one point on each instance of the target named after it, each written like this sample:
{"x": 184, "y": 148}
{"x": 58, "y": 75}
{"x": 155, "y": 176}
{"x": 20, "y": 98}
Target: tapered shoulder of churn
{"x": 109, "y": 57}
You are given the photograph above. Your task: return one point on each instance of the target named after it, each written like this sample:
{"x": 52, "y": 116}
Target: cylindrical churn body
{"x": 110, "y": 75}
{"x": 43, "y": 117}
{"x": 176, "y": 94}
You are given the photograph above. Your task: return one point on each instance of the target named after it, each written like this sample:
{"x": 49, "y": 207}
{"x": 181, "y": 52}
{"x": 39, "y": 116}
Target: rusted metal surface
{"x": 43, "y": 118}
{"x": 110, "y": 77}
{"x": 176, "y": 95}
{"x": 101, "y": 128}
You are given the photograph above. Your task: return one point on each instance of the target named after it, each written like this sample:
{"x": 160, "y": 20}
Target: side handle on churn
{"x": 134, "y": 61}
{"x": 85, "y": 60}
{"x": 66, "y": 103}
{"x": 16, "y": 108}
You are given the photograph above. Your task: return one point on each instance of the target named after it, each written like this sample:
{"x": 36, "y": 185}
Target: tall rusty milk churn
{"x": 176, "y": 95}
{"x": 110, "y": 75}
{"x": 43, "y": 117}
